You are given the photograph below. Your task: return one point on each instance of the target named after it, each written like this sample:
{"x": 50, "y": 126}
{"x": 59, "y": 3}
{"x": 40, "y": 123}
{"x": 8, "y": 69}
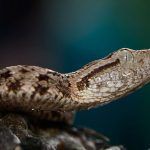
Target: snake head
{"x": 136, "y": 62}
{"x": 110, "y": 78}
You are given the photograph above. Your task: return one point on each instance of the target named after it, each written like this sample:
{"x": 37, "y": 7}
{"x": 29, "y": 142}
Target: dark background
{"x": 66, "y": 34}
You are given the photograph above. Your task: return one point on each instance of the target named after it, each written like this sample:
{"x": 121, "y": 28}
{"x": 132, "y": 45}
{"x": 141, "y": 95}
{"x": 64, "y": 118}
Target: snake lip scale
{"x": 47, "y": 94}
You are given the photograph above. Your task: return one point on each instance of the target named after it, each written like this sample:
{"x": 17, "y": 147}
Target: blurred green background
{"x": 66, "y": 34}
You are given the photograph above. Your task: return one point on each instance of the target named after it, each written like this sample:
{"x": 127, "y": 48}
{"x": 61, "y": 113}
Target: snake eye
{"x": 125, "y": 55}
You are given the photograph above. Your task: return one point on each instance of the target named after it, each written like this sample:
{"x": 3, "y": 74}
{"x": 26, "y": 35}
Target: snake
{"x": 46, "y": 94}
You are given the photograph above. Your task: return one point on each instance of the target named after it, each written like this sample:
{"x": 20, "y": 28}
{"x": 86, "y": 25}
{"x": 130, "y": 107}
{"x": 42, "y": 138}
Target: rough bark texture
{"x": 19, "y": 133}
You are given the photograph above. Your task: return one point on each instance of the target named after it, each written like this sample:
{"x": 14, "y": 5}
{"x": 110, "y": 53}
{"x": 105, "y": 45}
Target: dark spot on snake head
{"x": 43, "y": 77}
{"x": 41, "y": 89}
{"x": 84, "y": 83}
{"x": 5, "y": 74}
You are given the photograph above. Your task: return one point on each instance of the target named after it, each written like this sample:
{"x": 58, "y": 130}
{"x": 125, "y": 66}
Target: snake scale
{"x": 46, "y": 94}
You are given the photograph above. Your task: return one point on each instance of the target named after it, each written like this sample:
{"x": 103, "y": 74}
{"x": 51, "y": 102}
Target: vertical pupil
{"x": 126, "y": 56}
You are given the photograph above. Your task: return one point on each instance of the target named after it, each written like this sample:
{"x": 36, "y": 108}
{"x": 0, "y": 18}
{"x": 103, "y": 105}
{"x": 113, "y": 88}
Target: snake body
{"x": 50, "y": 95}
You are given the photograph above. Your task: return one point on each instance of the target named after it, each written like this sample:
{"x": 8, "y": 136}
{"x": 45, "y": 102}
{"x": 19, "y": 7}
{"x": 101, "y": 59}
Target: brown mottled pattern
{"x": 6, "y": 74}
{"x": 14, "y": 86}
{"x": 46, "y": 94}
